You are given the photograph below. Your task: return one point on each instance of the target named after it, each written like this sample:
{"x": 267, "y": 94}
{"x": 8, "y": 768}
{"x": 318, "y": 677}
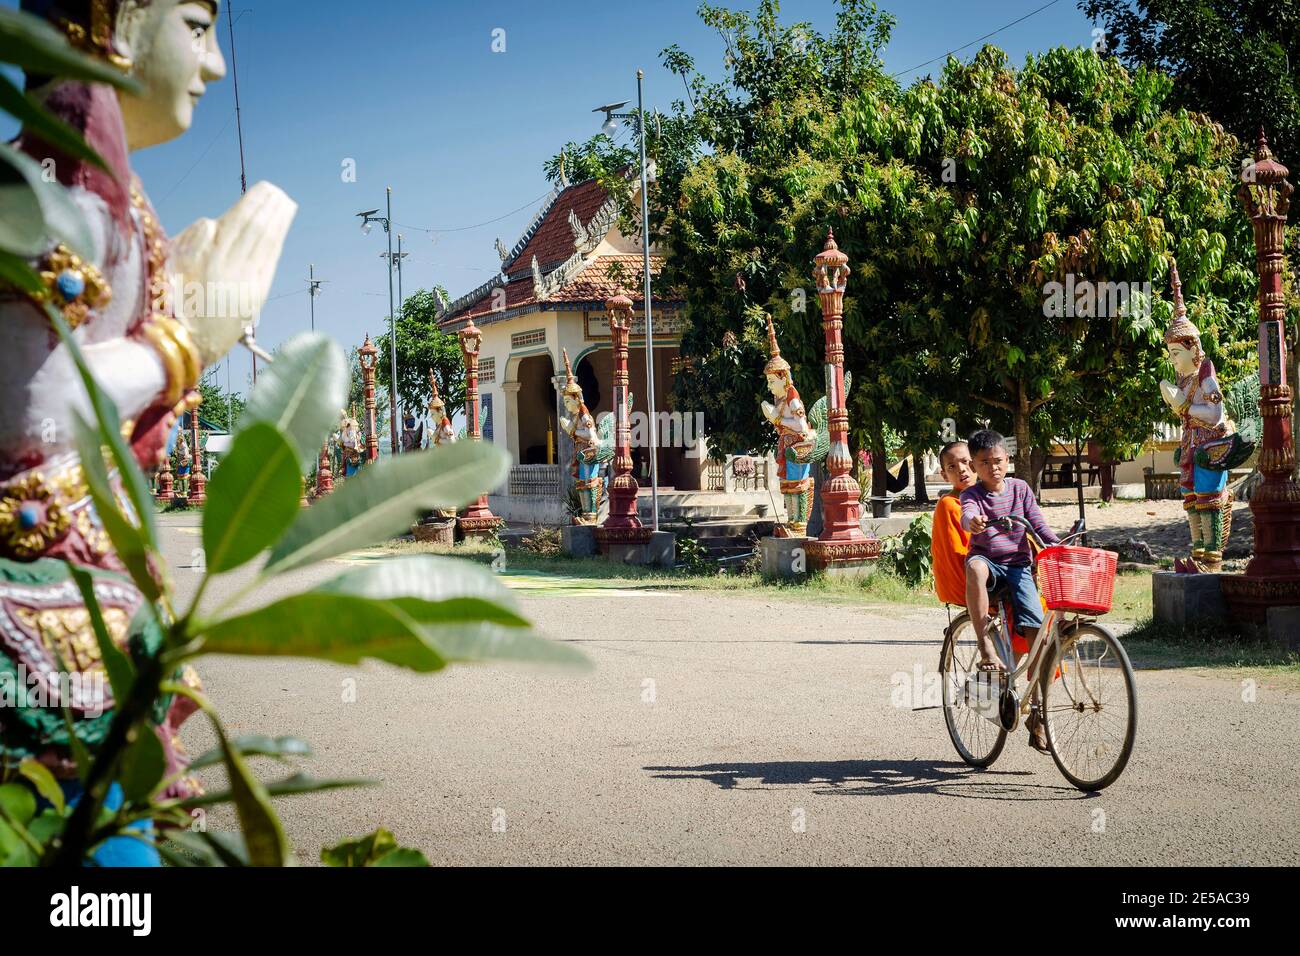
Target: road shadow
{"x": 876, "y": 778}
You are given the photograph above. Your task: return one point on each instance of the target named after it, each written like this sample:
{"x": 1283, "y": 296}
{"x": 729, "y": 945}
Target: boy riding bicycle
{"x": 1001, "y": 555}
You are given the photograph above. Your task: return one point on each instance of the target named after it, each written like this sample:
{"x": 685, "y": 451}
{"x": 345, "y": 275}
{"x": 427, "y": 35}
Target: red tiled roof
{"x": 595, "y": 283}
{"x": 552, "y": 243}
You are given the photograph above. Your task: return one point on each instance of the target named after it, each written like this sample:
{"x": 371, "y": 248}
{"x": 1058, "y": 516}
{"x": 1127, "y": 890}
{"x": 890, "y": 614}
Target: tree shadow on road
{"x": 875, "y": 778}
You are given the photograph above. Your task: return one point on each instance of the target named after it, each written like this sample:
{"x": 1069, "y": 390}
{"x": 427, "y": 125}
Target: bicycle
{"x": 1086, "y": 689}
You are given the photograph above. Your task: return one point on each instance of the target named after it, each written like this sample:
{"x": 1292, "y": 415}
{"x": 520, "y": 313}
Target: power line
{"x": 978, "y": 39}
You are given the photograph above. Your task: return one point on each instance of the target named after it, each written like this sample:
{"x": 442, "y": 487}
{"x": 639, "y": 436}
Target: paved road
{"x": 723, "y": 728}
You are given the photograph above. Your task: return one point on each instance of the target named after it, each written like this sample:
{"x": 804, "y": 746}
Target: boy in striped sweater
{"x": 998, "y": 556}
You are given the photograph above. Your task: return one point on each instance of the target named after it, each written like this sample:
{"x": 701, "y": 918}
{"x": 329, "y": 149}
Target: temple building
{"x": 548, "y": 296}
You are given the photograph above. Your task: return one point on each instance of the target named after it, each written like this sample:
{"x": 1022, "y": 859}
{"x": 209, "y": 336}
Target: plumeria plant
{"x": 419, "y": 612}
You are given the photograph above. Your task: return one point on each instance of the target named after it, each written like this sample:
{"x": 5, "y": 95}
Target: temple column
{"x": 513, "y": 444}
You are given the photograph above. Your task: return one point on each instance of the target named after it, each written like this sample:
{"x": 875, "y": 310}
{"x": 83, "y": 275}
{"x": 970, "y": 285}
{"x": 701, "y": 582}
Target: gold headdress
{"x": 1181, "y": 326}
{"x": 775, "y": 364}
{"x": 571, "y": 386}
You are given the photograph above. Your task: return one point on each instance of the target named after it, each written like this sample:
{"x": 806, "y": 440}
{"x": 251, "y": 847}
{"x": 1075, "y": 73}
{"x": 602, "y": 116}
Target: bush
{"x": 907, "y": 555}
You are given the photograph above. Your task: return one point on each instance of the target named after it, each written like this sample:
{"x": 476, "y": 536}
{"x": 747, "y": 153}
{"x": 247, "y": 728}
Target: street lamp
{"x": 611, "y": 115}
{"x": 368, "y": 217}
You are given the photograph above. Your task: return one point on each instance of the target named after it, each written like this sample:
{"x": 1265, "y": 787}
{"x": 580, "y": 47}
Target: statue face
{"x": 571, "y": 404}
{"x": 174, "y": 55}
{"x": 1183, "y": 358}
{"x": 776, "y": 385}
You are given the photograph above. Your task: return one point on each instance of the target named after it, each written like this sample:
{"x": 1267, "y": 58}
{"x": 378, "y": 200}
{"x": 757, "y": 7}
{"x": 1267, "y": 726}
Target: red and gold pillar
{"x": 477, "y": 520}
{"x": 366, "y": 355}
{"x": 622, "y": 525}
{"x": 1273, "y": 575}
{"x": 841, "y": 540}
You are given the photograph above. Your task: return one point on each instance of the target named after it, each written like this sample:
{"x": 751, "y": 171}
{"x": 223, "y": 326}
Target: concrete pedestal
{"x": 1187, "y": 599}
{"x": 660, "y": 551}
{"x": 578, "y": 540}
{"x": 784, "y": 557}
{"x": 1284, "y": 627}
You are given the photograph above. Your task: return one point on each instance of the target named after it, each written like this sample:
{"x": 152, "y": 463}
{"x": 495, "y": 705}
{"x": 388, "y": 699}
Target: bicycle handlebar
{"x": 1078, "y": 530}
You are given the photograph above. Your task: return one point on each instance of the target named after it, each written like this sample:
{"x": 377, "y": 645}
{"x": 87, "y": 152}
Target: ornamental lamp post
{"x": 1273, "y": 575}
{"x": 198, "y": 483}
{"x": 477, "y": 521}
{"x": 842, "y": 541}
{"x": 165, "y": 480}
{"x": 611, "y": 123}
{"x": 324, "y": 476}
{"x": 622, "y": 524}
{"x": 367, "y": 217}
{"x": 366, "y": 355}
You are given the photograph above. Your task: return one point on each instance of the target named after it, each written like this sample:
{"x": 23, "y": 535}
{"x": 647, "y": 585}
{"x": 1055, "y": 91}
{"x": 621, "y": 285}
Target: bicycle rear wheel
{"x": 978, "y": 740}
{"x": 1089, "y": 700}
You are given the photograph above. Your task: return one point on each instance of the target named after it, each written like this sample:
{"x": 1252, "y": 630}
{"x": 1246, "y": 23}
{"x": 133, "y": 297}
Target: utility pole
{"x": 313, "y": 290}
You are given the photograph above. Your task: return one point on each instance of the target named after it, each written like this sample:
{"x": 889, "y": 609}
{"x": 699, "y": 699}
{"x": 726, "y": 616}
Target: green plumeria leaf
{"x": 144, "y": 763}
{"x": 333, "y": 627}
{"x": 263, "y": 834}
{"x": 121, "y": 673}
{"x": 25, "y": 108}
{"x": 110, "y": 433}
{"x": 252, "y": 499}
{"x": 127, "y": 539}
{"x": 256, "y": 745}
{"x": 36, "y": 47}
{"x": 43, "y": 780}
{"x": 385, "y": 498}
{"x": 301, "y": 394}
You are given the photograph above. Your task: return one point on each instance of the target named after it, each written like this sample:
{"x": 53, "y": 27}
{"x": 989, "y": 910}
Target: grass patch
{"x": 879, "y": 587}
{"x": 1152, "y": 643}
{"x": 1132, "y": 598}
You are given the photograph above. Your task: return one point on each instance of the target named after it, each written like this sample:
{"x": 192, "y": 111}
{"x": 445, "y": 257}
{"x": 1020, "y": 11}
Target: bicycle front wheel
{"x": 1089, "y": 700}
{"x": 978, "y": 740}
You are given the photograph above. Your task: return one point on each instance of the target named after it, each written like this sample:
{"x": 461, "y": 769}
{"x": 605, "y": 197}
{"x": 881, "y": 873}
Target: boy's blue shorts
{"x": 1024, "y": 592}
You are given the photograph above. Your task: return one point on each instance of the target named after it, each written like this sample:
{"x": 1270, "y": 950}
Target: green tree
{"x": 1072, "y": 172}
{"x": 421, "y": 346}
{"x": 220, "y": 408}
{"x": 1238, "y": 62}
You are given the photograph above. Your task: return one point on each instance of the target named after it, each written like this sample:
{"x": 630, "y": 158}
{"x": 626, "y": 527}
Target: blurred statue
{"x": 796, "y": 440}
{"x": 148, "y": 316}
{"x": 442, "y": 433}
{"x": 1210, "y": 445}
{"x": 351, "y": 445}
{"x": 184, "y": 462}
{"x": 592, "y": 447}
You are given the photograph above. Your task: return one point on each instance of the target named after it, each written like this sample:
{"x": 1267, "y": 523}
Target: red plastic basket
{"x": 1077, "y": 579}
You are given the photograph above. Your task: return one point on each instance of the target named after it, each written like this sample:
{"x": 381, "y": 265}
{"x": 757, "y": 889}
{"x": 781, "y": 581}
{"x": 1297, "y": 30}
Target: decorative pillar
{"x": 324, "y": 476}
{"x": 1273, "y": 575}
{"x": 477, "y": 520}
{"x": 165, "y": 489}
{"x": 366, "y": 355}
{"x": 514, "y": 444}
{"x": 198, "y": 483}
{"x": 841, "y": 541}
{"x": 623, "y": 524}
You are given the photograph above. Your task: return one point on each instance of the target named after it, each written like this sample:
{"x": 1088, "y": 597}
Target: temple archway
{"x": 534, "y": 419}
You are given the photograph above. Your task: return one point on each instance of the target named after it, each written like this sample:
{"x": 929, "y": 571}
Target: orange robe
{"x": 948, "y": 547}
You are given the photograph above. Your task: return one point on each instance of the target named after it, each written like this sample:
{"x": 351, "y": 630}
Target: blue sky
{"x": 412, "y": 91}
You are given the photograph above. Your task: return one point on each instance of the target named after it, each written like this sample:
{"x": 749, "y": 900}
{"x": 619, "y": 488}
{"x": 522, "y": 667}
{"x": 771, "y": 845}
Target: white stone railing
{"x": 534, "y": 481}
